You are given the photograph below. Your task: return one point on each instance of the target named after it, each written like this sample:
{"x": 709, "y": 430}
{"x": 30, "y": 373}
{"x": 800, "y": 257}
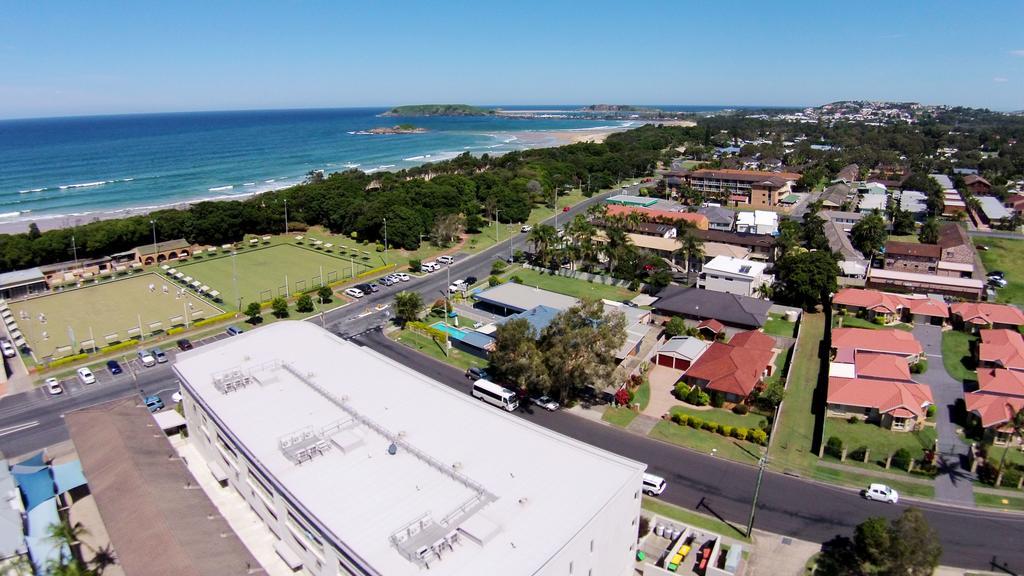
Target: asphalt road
{"x": 788, "y": 505}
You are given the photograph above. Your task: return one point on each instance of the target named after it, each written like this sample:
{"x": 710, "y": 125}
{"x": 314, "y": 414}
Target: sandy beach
{"x": 599, "y": 135}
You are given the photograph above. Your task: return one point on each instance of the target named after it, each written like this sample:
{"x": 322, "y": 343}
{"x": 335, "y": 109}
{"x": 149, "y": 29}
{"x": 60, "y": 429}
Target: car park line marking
{"x": 18, "y": 428}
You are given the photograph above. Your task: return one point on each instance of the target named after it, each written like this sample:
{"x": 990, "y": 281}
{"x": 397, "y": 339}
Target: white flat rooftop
{"x": 737, "y": 266}
{"x": 526, "y": 488}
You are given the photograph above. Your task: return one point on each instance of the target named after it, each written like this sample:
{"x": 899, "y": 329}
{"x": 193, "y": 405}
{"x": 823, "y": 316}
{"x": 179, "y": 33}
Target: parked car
{"x": 526, "y": 228}
{"x": 53, "y": 386}
{"x": 153, "y": 403}
{"x": 160, "y": 356}
{"x": 457, "y": 286}
{"x": 114, "y": 367}
{"x": 354, "y": 292}
{"x": 654, "y": 485}
{"x": 446, "y": 259}
{"x": 470, "y": 280}
{"x": 366, "y": 288}
{"x": 387, "y": 281}
{"x": 997, "y": 282}
{"x": 996, "y": 274}
{"x": 146, "y": 358}
{"x": 566, "y": 209}
{"x": 882, "y": 493}
{"x": 9, "y": 351}
{"x": 474, "y": 373}
{"x": 545, "y": 402}
{"x": 86, "y": 376}
{"x": 234, "y": 330}
{"x": 184, "y": 344}
{"x": 402, "y": 276}
{"x": 176, "y": 397}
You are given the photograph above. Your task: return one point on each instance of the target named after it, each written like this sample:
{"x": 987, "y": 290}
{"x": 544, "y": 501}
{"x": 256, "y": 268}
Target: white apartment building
{"x": 358, "y": 465}
{"x": 734, "y": 276}
{"x": 757, "y": 222}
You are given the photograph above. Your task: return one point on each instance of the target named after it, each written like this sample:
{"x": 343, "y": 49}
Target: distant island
{"x": 617, "y": 108}
{"x": 398, "y": 129}
{"x": 438, "y": 110}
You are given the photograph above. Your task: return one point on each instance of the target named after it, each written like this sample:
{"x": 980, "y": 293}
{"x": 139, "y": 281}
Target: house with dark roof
{"x": 911, "y": 257}
{"x": 848, "y": 173}
{"x": 977, "y": 185}
{"x": 758, "y": 246}
{"x": 836, "y": 196}
{"x": 699, "y": 305}
{"x": 955, "y": 245}
{"x": 734, "y": 369}
{"x": 718, "y": 218}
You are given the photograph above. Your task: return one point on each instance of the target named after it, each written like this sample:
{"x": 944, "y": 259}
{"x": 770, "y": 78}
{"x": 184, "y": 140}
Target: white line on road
{"x": 18, "y": 428}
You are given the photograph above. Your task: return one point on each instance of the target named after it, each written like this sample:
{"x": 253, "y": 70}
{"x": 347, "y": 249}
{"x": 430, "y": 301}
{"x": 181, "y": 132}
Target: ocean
{"x": 71, "y": 168}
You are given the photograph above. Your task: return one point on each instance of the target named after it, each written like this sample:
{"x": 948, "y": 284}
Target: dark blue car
{"x": 114, "y": 367}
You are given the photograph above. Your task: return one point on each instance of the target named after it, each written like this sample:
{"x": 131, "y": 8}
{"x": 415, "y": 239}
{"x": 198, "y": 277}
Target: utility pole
{"x": 509, "y": 242}
{"x": 153, "y": 224}
{"x": 234, "y": 279}
{"x": 385, "y": 240}
{"x": 496, "y": 225}
{"x": 556, "y": 208}
{"x": 286, "y": 216}
{"x": 757, "y": 490}
{"x": 74, "y": 250}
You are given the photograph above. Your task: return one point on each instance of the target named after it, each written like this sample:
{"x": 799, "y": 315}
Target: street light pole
{"x": 153, "y": 224}
{"x": 385, "y": 240}
{"x": 496, "y": 225}
{"x": 234, "y": 279}
{"x": 286, "y": 216}
{"x": 510, "y": 242}
{"x": 757, "y": 491}
{"x": 556, "y": 208}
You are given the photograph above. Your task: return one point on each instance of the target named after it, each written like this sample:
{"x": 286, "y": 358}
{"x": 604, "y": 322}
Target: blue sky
{"x": 73, "y": 57}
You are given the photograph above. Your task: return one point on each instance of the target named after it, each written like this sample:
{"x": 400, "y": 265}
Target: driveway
{"x": 953, "y": 484}
{"x": 662, "y": 380}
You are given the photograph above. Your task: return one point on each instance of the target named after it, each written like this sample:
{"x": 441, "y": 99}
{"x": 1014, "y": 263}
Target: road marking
{"x": 18, "y": 428}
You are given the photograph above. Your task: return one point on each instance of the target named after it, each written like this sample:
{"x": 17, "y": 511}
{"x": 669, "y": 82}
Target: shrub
{"x": 919, "y": 367}
{"x": 643, "y": 527}
{"x": 858, "y": 453}
{"x": 1011, "y": 475}
{"x": 853, "y": 420}
{"x": 67, "y": 360}
{"x": 677, "y": 418}
{"x": 695, "y": 422}
{"x": 879, "y": 320}
{"x": 717, "y": 399}
{"x": 516, "y": 279}
{"x": 415, "y": 265}
{"x": 901, "y": 458}
{"x": 175, "y": 330}
{"x": 931, "y": 411}
{"x": 498, "y": 266}
{"x": 494, "y": 280}
{"x": 280, "y": 307}
{"x": 697, "y": 397}
{"x": 304, "y": 303}
{"x": 720, "y": 428}
{"x": 675, "y": 327}
{"x": 834, "y": 446}
{"x": 681, "y": 391}
{"x": 118, "y": 346}
{"x": 759, "y": 437}
{"x": 740, "y": 409}
{"x": 725, "y": 430}
{"x": 709, "y": 425}
{"x": 739, "y": 433}
{"x": 213, "y": 319}
{"x": 324, "y": 293}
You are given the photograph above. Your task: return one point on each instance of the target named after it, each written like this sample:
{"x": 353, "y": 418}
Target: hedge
{"x": 118, "y": 346}
{"x": 67, "y": 360}
{"x": 428, "y": 329}
{"x": 376, "y": 270}
{"x": 175, "y": 330}
{"x": 213, "y": 319}
{"x": 759, "y": 437}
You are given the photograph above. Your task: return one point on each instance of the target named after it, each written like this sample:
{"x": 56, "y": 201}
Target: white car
{"x": 653, "y": 485}
{"x": 882, "y": 493}
{"x": 457, "y": 286}
{"x": 526, "y": 228}
{"x": 86, "y": 375}
{"x": 354, "y": 292}
{"x": 446, "y": 260}
{"x": 53, "y": 386}
{"x": 546, "y": 403}
{"x": 176, "y": 397}
{"x": 9, "y": 351}
{"x": 402, "y": 276}
{"x": 147, "y": 359}
{"x": 429, "y": 266}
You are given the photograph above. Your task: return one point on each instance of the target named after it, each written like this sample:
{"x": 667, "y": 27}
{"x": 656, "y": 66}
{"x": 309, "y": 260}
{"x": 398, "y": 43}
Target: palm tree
{"x": 689, "y": 245}
{"x": 1017, "y": 429}
{"x": 580, "y": 233}
{"x": 616, "y": 231}
{"x": 543, "y": 237}
{"x": 64, "y": 534}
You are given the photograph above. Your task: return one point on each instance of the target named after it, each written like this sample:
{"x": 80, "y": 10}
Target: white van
{"x": 654, "y": 485}
{"x": 495, "y": 394}
{"x": 429, "y": 266}
{"x": 446, "y": 259}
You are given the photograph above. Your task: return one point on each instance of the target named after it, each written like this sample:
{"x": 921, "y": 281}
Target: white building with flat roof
{"x": 734, "y": 276}
{"x": 757, "y": 222}
{"x": 359, "y": 465}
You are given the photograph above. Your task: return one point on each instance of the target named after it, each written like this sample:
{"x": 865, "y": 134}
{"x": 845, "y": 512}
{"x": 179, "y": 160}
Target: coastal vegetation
{"x": 438, "y": 110}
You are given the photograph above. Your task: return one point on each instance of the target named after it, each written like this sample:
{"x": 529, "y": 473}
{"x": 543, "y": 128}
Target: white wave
{"x": 416, "y": 158}
{"x": 127, "y": 179}
{"x": 352, "y": 132}
{"x": 10, "y": 214}
{"x": 512, "y": 139}
{"x": 385, "y": 166}
{"x": 249, "y": 184}
{"x": 32, "y": 190}
{"x": 268, "y": 181}
{"x": 351, "y": 165}
{"x": 220, "y": 188}
{"x": 85, "y": 184}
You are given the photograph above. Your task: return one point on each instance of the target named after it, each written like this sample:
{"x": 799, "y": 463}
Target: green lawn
{"x": 105, "y": 313}
{"x": 427, "y": 346}
{"x": 880, "y": 441}
{"x": 618, "y": 416}
{"x": 778, "y": 326}
{"x": 912, "y": 238}
{"x": 705, "y": 441}
{"x": 261, "y": 273}
{"x": 1006, "y": 255}
{"x": 690, "y": 518}
{"x": 855, "y": 322}
{"x": 791, "y": 447}
{"x": 721, "y": 416}
{"x": 780, "y": 365}
{"x": 855, "y": 480}
{"x": 643, "y": 395}
{"x": 956, "y": 354}
{"x": 572, "y": 286}
{"x": 1002, "y": 502}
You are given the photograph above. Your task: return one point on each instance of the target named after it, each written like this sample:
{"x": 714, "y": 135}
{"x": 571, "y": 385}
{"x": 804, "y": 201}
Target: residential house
{"x": 955, "y": 245}
{"x": 743, "y": 187}
{"x": 943, "y": 181}
{"x": 953, "y": 203}
{"x": 680, "y": 352}
{"x": 699, "y": 221}
{"x": 734, "y": 369}
{"x": 852, "y": 262}
{"x": 965, "y": 171}
{"x": 871, "y": 304}
{"x": 1001, "y": 348}
{"x": 710, "y": 328}
{"x": 837, "y": 197}
{"x": 977, "y": 185}
{"x": 757, "y": 222}
{"x": 699, "y": 305}
{"x": 849, "y": 341}
{"x": 914, "y": 202}
{"x": 992, "y": 210}
{"x": 877, "y": 387}
{"x": 972, "y": 316}
{"x": 870, "y": 202}
{"x": 999, "y": 397}
{"x": 911, "y": 257}
{"x": 1015, "y": 203}
{"x": 718, "y": 218}
{"x": 760, "y": 246}
{"x": 734, "y": 275}
{"x": 846, "y": 219}
{"x": 848, "y": 173}
{"x": 967, "y": 288}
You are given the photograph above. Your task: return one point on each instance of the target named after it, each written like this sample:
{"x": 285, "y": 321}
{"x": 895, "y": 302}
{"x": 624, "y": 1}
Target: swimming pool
{"x": 451, "y": 330}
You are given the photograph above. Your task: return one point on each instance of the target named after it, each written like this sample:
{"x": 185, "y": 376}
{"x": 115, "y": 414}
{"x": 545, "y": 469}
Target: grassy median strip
{"x": 694, "y": 519}
{"x": 706, "y": 441}
{"x": 999, "y": 501}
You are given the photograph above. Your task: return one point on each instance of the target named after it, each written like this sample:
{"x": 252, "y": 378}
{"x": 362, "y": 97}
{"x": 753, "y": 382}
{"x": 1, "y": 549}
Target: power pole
{"x": 757, "y": 491}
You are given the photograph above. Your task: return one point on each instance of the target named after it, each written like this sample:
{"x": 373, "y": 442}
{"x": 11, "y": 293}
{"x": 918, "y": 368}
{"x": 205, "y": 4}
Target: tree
{"x": 1017, "y": 429}
{"x": 929, "y": 233}
{"x": 871, "y": 541}
{"x": 65, "y": 535}
{"x": 868, "y": 235}
{"x": 324, "y": 293}
{"x": 33, "y": 231}
{"x": 516, "y": 359}
{"x": 675, "y": 327}
{"x": 691, "y": 246}
{"x": 279, "y": 306}
{"x": 814, "y": 228}
{"x": 902, "y": 221}
{"x": 806, "y": 279}
{"x": 304, "y": 303}
{"x": 906, "y": 546}
{"x": 408, "y": 306}
{"x": 254, "y": 312}
{"x": 543, "y": 238}
{"x": 579, "y": 348}
{"x": 447, "y": 229}
{"x": 914, "y": 548}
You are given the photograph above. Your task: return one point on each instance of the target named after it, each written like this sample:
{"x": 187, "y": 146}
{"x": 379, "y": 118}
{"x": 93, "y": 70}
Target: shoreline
{"x": 532, "y": 139}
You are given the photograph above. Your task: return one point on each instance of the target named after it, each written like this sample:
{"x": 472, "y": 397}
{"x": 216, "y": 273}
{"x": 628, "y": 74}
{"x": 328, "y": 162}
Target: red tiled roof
{"x": 1003, "y": 347}
{"x": 889, "y": 341}
{"x": 902, "y": 399}
{"x": 698, "y": 220}
{"x": 983, "y": 313}
{"x": 712, "y": 325}
{"x": 1000, "y": 381}
{"x": 913, "y": 249}
{"x": 743, "y": 175}
{"x": 1000, "y": 395}
{"x": 731, "y": 369}
{"x": 881, "y": 367}
{"x": 973, "y": 178}
{"x": 753, "y": 340}
{"x": 927, "y": 307}
{"x": 888, "y": 303}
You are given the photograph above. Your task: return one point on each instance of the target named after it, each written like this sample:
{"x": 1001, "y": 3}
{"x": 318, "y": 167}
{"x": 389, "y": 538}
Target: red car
{"x": 566, "y": 209}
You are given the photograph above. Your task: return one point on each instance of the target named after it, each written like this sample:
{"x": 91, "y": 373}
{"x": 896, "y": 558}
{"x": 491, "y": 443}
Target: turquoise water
{"x": 451, "y": 330}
